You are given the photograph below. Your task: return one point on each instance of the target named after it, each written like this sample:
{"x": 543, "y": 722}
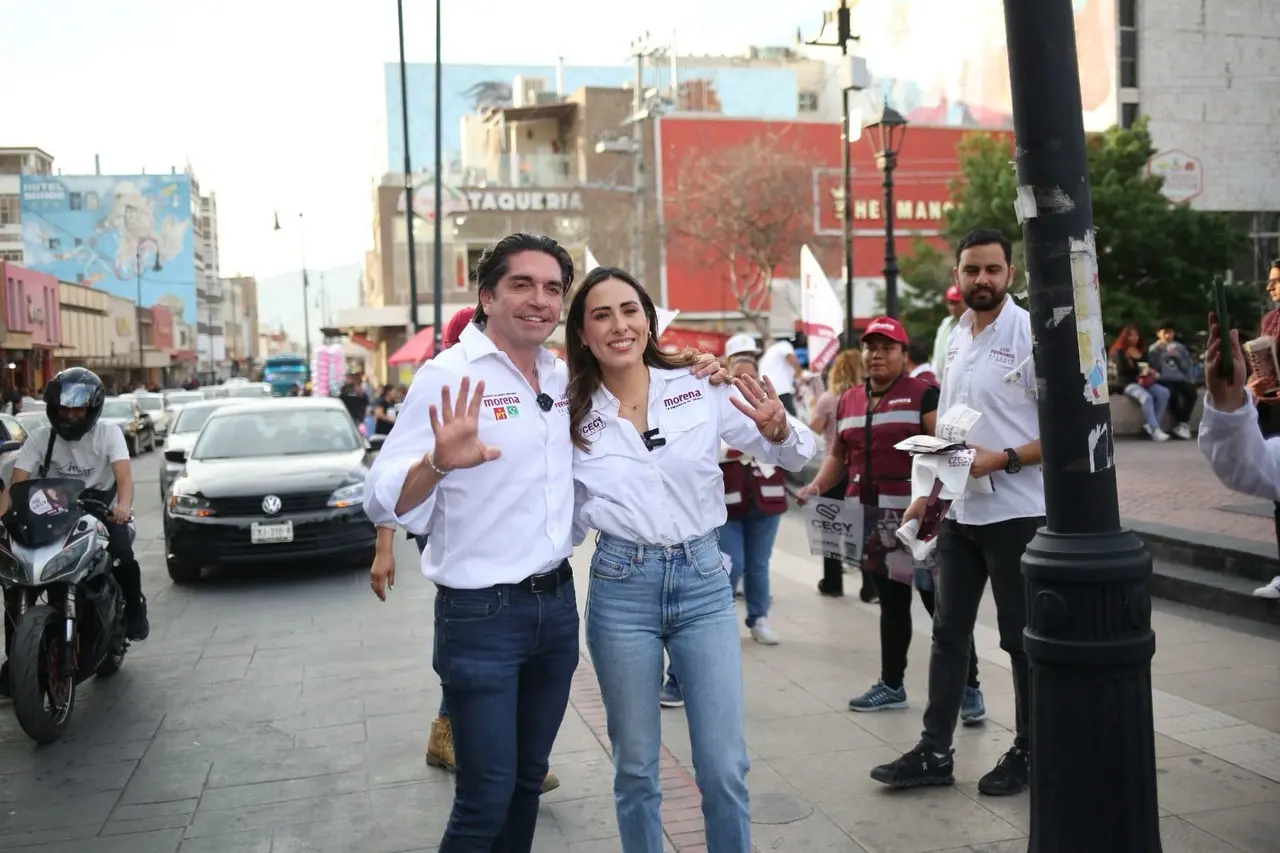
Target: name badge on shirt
{"x": 951, "y": 355}
{"x": 591, "y": 429}
{"x": 503, "y": 407}
{"x": 682, "y": 399}
{"x": 1003, "y": 356}
{"x": 562, "y": 405}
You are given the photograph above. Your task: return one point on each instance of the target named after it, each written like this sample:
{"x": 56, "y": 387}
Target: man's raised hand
{"x": 457, "y": 430}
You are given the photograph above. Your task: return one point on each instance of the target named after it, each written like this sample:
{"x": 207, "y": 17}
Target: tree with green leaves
{"x": 1156, "y": 260}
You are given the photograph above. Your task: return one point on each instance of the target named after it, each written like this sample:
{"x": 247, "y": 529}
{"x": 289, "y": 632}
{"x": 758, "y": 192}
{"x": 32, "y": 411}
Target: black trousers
{"x": 832, "y": 568}
{"x": 1182, "y": 400}
{"x": 896, "y": 630}
{"x": 968, "y": 555}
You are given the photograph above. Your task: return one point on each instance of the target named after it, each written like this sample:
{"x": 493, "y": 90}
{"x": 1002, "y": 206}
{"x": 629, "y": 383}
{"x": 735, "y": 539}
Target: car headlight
{"x": 11, "y": 570}
{"x": 66, "y": 562}
{"x": 352, "y": 495}
{"x": 188, "y": 505}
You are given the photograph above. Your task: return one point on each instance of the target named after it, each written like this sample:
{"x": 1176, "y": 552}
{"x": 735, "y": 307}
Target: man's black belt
{"x": 547, "y": 581}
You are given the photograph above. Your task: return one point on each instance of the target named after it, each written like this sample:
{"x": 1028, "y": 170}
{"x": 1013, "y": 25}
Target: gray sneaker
{"x": 880, "y": 698}
{"x": 973, "y": 709}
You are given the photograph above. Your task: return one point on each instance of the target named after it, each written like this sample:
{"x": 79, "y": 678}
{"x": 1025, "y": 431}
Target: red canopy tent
{"x": 416, "y": 350}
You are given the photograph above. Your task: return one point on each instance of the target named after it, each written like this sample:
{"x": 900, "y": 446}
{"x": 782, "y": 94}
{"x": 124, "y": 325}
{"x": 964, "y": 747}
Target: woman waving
{"x": 646, "y": 463}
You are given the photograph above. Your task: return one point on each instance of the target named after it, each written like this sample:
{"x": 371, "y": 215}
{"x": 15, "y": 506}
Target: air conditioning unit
{"x": 525, "y": 90}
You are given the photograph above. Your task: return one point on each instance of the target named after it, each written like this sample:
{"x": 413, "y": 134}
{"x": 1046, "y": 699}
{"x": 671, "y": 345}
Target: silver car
{"x": 183, "y": 432}
{"x": 158, "y": 407}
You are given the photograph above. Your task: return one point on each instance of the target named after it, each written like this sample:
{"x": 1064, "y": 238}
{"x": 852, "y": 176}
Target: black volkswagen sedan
{"x": 280, "y": 480}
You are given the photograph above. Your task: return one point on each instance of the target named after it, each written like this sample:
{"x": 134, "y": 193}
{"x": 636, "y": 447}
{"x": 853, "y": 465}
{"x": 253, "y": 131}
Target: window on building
{"x": 808, "y": 102}
{"x": 1129, "y": 44}
{"x": 91, "y": 201}
{"x": 75, "y": 201}
{"x": 55, "y": 243}
{"x": 473, "y": 259}
{"x": 1128, "y": 115}
{"x": 8, "y": 210}
{"x": 11, "y": 255}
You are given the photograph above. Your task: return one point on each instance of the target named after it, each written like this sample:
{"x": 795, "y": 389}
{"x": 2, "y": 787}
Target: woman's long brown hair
{"x": 846, "y": 371}
{"x": 584, "y": 371}
{"x": 1122, "y": 339}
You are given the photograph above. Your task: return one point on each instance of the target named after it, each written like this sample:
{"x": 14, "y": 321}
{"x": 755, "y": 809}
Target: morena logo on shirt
{"x": 679, "y": 400}
{"x": 592, "y": 428}
{"x": 503, "y": 405}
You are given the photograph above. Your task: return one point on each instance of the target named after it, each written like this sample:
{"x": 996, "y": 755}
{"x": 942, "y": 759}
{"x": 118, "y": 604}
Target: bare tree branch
{"x": 743, "y": 212}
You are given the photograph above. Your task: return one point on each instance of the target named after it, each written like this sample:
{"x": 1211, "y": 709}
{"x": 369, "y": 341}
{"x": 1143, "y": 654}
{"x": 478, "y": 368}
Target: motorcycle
{"x": 65, "y": 607}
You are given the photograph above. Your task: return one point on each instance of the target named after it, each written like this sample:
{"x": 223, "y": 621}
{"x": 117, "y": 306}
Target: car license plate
{"x": 262, "y": 534}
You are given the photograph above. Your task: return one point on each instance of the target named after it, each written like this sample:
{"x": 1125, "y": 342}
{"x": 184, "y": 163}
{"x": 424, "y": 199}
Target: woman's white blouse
{"x": 675, "y": 492}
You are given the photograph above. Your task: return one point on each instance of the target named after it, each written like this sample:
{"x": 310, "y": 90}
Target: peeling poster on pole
{"x": 1088, "y": 311}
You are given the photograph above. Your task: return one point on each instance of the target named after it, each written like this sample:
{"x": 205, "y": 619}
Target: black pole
{"x": 890, "y": 250}
{"x": 845, "y": 35}
{"x": 137, "y": 316}
{"x": 437, "y": 236}
{"x": 408, "y": 175}
{"x": 1088, "y": 635}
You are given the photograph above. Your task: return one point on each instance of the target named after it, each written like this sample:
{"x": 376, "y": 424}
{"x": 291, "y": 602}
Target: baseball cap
{"x": 458, "y": 322}
{"x": 886, "y": 327}
{"x": 954, "y": 295}
{"x": 741, "y": 344}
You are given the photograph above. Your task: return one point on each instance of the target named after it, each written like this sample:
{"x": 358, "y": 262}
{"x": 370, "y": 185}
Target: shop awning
{"x": 416, "y": 350}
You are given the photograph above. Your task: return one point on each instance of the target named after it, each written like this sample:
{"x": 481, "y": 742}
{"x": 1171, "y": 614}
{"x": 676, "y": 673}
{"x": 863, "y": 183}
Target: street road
{"x": 285, "y": 711}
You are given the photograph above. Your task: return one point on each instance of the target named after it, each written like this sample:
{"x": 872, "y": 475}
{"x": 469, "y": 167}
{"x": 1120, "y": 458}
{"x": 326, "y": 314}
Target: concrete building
{"x": 211, "y": 349}
{"x": 241, "y": 323}
{"x": 14, "y": 163}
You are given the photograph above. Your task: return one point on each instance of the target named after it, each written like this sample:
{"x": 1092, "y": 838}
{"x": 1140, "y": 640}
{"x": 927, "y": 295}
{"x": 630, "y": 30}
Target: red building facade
{"x": 927, "y": 166}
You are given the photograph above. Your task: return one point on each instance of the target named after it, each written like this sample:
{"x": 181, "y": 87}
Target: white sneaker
{"x": 1271, "y": 590}
{"x": 765, "y": 636}
{"x": 1155, "y": 433}
{"x": 1182, "y": 431}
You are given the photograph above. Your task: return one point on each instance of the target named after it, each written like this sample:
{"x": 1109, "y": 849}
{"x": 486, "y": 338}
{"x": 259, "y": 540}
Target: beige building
{"x": 535, "y": 168}
{"x": 240, "y": 316}
{"x": 14, "y": 163}
{"x": 98, "y": 332}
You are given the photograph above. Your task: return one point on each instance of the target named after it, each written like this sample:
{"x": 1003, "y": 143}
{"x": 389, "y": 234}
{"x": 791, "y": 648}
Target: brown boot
{"x": 550, "y": 783}
{"x": 440, "y": 744}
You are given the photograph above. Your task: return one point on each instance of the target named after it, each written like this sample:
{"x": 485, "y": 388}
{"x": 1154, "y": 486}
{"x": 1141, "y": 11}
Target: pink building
{"x": 33, "y": 323}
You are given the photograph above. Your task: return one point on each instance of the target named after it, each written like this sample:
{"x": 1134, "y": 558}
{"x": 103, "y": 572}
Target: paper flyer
{"x": 834, "y": 528}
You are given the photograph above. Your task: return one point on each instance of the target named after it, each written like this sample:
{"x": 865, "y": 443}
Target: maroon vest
{"x": 879, "y": 474}
{"x": 745, "y": 486}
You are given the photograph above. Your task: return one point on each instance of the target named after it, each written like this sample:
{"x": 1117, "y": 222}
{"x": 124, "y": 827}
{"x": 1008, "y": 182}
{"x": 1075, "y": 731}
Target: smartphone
{"x": 1227, "y": 363}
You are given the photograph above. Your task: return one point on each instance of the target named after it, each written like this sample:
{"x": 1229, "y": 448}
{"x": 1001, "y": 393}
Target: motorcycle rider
{"x": 76, "y": 444}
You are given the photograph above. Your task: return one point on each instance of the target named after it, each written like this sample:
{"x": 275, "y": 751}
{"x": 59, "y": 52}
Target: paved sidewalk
{"x": 286, "y": 712}
{"x": 1171, "y": 484}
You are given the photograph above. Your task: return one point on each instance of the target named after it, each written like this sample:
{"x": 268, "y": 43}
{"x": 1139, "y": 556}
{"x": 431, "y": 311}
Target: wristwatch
{"x": 1014, "y": 465}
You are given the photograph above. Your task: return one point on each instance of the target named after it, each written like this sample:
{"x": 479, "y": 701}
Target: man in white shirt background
{"x": 1229, "y": 437}
{"x": 988, "y": 368}
{"x": 780, "y": 366}
{"x": 955, "y": 307}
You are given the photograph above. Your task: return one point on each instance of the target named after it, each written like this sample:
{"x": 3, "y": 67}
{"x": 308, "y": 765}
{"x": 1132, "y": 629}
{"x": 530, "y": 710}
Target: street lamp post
{"x": 408, "y": 172}
{"x": 137, "y": 318}
{"x": 887, "y": 131}
{"x": 306, "y": 306}
{"x": 1088, "y": 634}
{"x": 437, "y": 226}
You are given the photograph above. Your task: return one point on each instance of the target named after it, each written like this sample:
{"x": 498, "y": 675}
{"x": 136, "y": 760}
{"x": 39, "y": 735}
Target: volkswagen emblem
{"x": 271, "y": 504}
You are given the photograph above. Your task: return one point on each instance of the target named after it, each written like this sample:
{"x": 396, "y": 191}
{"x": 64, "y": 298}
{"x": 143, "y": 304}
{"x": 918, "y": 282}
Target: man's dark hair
{"x": 918, "y": 352}
{"x": 1275, "y": 265}
{"x": 1167, "y": 324}
{"x": 494, "y": 261}
{"x": 985, "y": 237}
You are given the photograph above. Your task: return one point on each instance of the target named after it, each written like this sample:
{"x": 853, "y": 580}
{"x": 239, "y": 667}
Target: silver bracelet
{"x": 431, "y": 463}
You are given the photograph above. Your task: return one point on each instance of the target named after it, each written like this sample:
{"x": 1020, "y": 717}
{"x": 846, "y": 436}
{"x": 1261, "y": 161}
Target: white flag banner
{"x": 592, "y": 263}
{"x": 834, "y": 528}
{"x": 664, "y": 319}
{"x": 820, "y": 312}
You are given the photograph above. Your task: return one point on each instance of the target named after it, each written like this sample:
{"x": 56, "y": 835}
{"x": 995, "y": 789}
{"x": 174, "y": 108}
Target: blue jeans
{"x": 643, "y": 599}
{"x": 749, "y": 543}
{"x": 505, "y": 657}
{"x": 421, "y": 542}
{"x": 1153, "y": 400}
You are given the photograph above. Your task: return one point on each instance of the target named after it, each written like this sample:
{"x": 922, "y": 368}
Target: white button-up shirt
{"x": 675, "y": 492}
{"x": 1241, "y": 458}
{"x": 994, "y": 374}
{"x": 501, "y": 521}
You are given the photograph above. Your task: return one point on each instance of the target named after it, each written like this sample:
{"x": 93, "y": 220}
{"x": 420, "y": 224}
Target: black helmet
{"x": 74, "y": 388}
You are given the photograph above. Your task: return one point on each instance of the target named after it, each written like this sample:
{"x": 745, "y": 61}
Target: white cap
{"x": 741, "y": 344}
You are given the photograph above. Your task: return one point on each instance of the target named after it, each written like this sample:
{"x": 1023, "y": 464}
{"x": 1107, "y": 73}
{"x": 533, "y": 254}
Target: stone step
{"x": 1251, "y": 561}
{"x": 1212, "y": 590}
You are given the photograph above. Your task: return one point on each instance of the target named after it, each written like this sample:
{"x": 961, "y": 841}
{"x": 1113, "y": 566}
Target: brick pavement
{"x": 280, "y": 712}
{"x": 1171, "y": 484}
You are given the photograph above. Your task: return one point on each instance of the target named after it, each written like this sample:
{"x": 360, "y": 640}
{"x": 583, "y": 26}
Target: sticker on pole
{"x": 834, "y": 528}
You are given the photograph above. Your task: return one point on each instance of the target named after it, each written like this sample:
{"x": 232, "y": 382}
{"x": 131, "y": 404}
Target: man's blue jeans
{"x": 421, "y": 542}
{"x": 644, "y": 599}
{"x": 749, "y": 543}
{"x": 505, "y": 657}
